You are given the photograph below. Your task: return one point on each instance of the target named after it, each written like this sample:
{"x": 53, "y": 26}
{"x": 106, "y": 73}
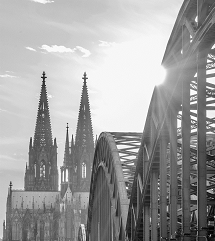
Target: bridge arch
{"x": 112, "y": 172}
{"x": 172, "y": 195}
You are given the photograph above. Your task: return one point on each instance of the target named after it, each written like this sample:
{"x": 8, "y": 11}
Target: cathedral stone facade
{"x": 41, "y": 211}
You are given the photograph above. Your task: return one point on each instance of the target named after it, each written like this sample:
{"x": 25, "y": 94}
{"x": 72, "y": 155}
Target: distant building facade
{"x": 41, "y": 212}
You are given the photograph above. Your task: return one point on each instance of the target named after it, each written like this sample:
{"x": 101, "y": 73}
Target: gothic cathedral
{"x": 41, "y": 212}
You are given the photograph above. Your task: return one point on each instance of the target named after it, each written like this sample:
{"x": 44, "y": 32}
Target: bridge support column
{"x": 163, "y": 188}
{"x": 201, "y": 146}
{"x": 146, "y": 214}
{"x": 185, "y": 132}
{"x": 186, "y": 158}
{"x": 154, "y": 206}
{"x": 173, "y": 172}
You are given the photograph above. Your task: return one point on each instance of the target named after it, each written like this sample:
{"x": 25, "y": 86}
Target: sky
{"x": 118, "y": 43}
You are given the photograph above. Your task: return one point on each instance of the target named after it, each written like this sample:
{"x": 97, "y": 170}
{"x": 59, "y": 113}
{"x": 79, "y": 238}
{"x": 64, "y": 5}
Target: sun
{"x": 159, "y": 75}
{"x": 154, "y": 75}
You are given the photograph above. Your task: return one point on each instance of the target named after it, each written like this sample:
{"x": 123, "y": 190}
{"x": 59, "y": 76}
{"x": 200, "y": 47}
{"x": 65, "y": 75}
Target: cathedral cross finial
{"x": 67, "y": 126}
{"x": 85, "y": 77}
{"x": 44, "y": 76}
{"x": 10, "y": 185}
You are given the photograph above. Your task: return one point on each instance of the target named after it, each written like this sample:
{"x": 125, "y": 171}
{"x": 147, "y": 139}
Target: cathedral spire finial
{"x": 11, "y": 185}
{"x": 67, "y": 136}
{"x": 66, "y": 153}
{"x": 85, "y": 78}
{"x": 43, "y": 77}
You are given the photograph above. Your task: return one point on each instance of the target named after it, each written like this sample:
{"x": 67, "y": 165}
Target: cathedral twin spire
{"x": 41, "y": 171}
{"x": 81, "y": 152}
{"x": 43, "y": 132}
{"x": 84, "y": 131}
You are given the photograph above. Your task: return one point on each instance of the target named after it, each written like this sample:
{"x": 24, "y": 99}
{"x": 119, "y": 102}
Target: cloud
{"x": 7, "y": 76}
{"x": 57, "y": 49}
{"x": 106, "y": 44}
{"x": 63, "y": 49}
{"x": 31, "y": 49}
{"x": 84, "y": 51}
{"x": 42, "y": 1}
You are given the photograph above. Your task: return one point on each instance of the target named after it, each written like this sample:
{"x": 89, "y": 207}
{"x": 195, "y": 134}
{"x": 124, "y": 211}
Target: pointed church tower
{"x": 41, "y": 173}
{"x": 8, "y": 213}
{"x": 66, "y": 169}
{"x": 84, "y": 144}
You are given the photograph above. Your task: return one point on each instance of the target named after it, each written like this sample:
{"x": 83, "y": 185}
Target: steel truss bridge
{"x": 160, "y": 184}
